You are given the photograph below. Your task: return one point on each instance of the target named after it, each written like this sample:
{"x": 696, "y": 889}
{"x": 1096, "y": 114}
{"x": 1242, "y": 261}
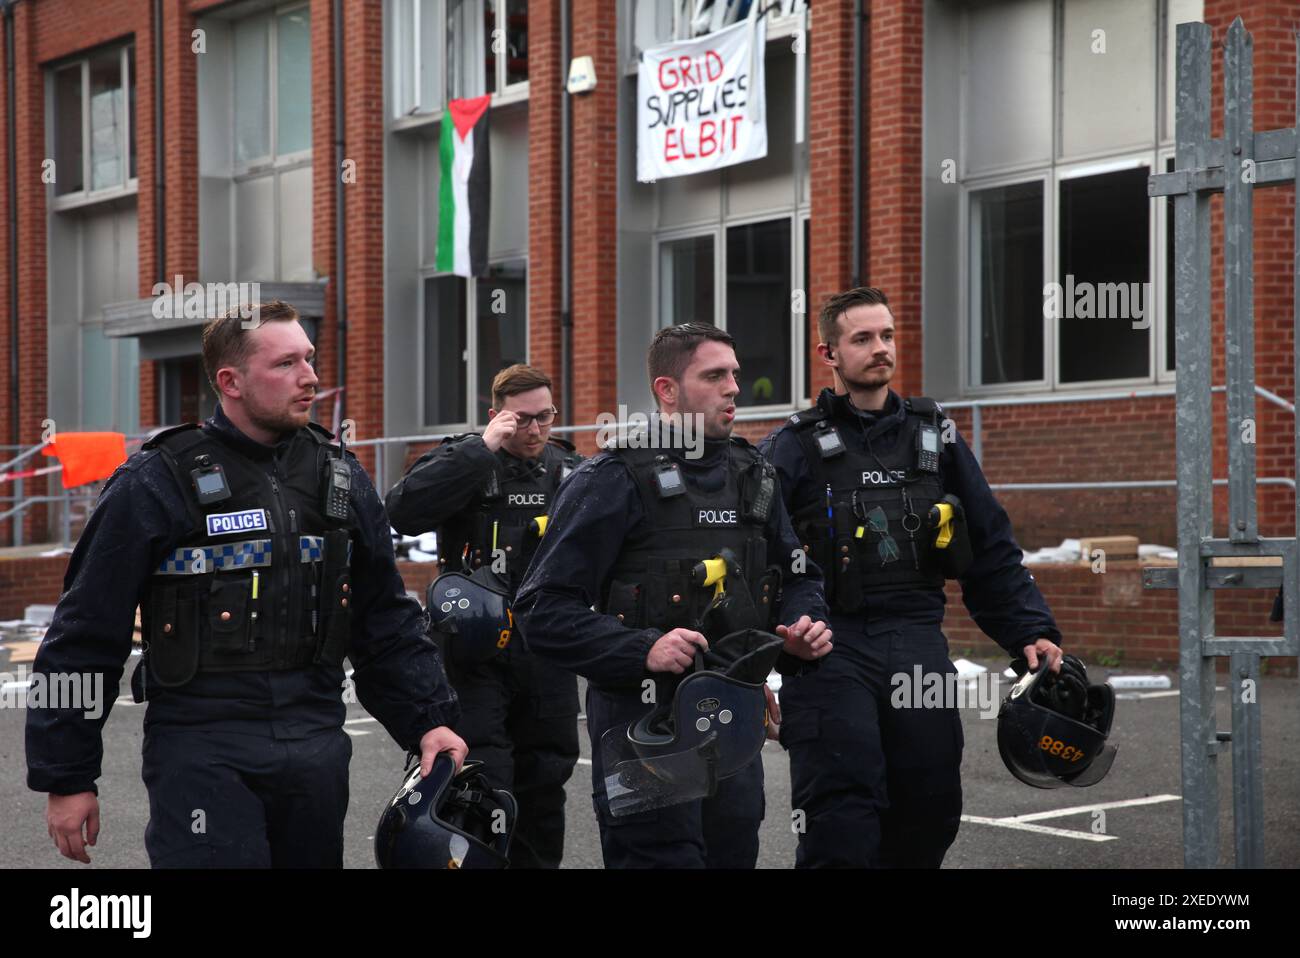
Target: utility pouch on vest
{"x": 229, "y": 622}
{"x": 846, "y": 564}
{"x": 766, "y": 593}
{"x": 947, "y": 524}
{"x": 625, "y": 603}
{"x": 173, "y": 632}
{"x": 335, "y": 599}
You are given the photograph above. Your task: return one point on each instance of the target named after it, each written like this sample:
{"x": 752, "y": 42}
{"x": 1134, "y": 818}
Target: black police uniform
{"x": 245, "y": 758}
{"x": 878, "y": 785}
{"x": 617, "y": 544}
{"x": 519, "y": 714}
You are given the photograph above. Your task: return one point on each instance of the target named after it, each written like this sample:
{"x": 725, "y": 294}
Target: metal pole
{"x": 1238, "y": 281}
{"x": 1195, "y": 496}
{"x": 1247, "y": 760}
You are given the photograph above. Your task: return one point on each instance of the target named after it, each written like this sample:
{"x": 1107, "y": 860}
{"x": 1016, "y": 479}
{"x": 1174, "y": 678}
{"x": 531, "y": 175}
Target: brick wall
{"x": 33, "y": 580}
{"x": 363, "y": 132}
{"x": 830, "y": 159}
{"x": 595, "y": 235}
{"x": 545, "y": 91}
{"x": 892, "y": 202}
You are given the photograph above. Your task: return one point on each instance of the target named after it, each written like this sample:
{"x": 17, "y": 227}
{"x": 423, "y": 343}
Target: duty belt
{"x": 232, "y": 556}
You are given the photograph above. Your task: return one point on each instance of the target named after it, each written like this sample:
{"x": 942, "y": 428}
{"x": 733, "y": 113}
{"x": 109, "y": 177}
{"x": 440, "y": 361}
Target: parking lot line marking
{"x": 1080, "y": 809}
{"x": 358, "y": 721}
{"x": 1040, "y": 829}
{"x": 356, "y": 732}
{"x": 584, "y": 761}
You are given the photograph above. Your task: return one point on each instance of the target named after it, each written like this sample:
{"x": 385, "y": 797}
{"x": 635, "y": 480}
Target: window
{"x": 1105, "y": 237}
{"x": 272, "y": 94}
{"x": 93, "y": 124}
{"x": 471, "y": 324}
{"x": 757, "y": 276}
{"x": 1068, "y": 261}
{"x": 1006, "y": 283}
{"x": 451, "y": 49}
{"x": 686, "y": 281}
{"x": 758, "y": 310}
{"x": 658, "y": 21}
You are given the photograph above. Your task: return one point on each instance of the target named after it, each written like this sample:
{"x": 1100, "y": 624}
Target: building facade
{"x": 988, "y": 149}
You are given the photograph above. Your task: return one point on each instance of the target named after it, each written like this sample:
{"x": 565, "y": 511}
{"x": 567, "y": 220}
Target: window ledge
{"x": 73, "y": 201}
{"x": 518, "y": 93}
{"x": 1009, "y": 397}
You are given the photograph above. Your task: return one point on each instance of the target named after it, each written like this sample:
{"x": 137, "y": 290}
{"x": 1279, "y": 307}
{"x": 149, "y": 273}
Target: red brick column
{"x": 595, "y": 215}
{"x": 545, "y": 91}
{"x": 363, "y": 132}
{"x": 830, "y": 158}
{"x": 33, "y": 333}
{"x": 892, "y": 195}
{"x": 6, "y": 319}
{"x": 324, "y": 178}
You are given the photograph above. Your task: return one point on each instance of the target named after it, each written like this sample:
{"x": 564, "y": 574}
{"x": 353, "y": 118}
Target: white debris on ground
{"x": 423, "y": 548}
{"x": 1068, "y": 551}
{"x": 1071, "y": 551}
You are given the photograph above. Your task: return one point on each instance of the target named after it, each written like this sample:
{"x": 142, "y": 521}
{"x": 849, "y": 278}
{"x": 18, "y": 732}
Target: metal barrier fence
{"x": 70, "y": 498}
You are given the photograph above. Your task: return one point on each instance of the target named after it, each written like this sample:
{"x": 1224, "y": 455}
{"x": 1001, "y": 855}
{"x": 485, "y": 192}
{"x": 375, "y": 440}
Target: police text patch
{"x": 705, "y": 518}
{"x": 229, "y": 523}
{"x": 520, "y": 499}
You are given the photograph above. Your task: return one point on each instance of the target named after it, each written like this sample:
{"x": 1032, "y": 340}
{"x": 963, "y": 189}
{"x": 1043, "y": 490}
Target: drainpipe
{"x": 340, "y": 253}
{"x": 159, "y": 157}
{"x": 12, "y": 150}
{"x": 859, "y": 21}
{"x": 566, "y": 225}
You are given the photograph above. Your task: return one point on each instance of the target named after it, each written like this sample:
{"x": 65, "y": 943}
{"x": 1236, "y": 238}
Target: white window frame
{"x": 1074, "y": 171}
{"x": 87, "y": 195}
{"x": 1052, "y": 174}
{"x": 469, "y": 318}
{"x": 968, "y": 342}
{"x": 405, "y": 49}
{"x": 274, "y": 160}
{"x": 275, "y": 165}
{"x": 718, "y": 231}
{"x": 785, "y": 19}
{"x": 1163, "y": 292}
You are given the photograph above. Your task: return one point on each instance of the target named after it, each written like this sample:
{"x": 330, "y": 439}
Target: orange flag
{"x": 87, "y": 456}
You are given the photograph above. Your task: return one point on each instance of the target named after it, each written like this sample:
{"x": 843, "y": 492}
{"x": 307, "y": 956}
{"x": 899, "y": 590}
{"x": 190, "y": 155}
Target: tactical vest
{"x": 511, "y": 500}
{"x": 262, "y": 583}
{"x": 868, "y": 527}
{"x": 657, "y": 582}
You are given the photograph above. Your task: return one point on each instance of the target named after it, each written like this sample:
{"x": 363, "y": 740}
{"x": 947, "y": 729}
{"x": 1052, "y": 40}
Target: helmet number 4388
{"x": 1056, "y": 747}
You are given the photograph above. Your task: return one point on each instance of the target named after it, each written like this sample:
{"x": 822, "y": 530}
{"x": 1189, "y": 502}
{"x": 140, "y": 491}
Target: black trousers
{"x": 877, "y": 785}
{"x": 716, "y": 832}
{"x": 233, "y": 800}
{"x": 519, "y": 715}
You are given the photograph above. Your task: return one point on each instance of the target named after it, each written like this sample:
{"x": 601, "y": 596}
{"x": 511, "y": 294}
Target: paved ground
{"x": 1142, "y": 826}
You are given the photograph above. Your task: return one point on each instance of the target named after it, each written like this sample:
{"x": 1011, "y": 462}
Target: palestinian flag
{"x": 465, "y": 191}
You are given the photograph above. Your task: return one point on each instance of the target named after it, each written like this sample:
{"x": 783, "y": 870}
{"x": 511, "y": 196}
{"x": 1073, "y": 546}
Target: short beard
{"x": 279, "y": 422}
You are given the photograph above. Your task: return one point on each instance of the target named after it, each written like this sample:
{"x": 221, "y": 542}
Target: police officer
{"x": 864, "y": 475}
{"x": 259, "y": 555}
{"x": 484, "y": 496}
{"x": 626, "y": 531}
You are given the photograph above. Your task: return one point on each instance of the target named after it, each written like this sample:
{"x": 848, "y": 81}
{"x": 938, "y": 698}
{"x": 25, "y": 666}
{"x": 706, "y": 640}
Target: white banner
{"x": 700, "y": 103}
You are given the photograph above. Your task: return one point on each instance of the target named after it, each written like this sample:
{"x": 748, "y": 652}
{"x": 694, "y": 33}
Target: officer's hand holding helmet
{"x": 1052, "y": 727}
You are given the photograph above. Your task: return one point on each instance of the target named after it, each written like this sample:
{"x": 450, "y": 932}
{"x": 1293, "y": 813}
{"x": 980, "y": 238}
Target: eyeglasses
{"x": 544, "y": 418}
